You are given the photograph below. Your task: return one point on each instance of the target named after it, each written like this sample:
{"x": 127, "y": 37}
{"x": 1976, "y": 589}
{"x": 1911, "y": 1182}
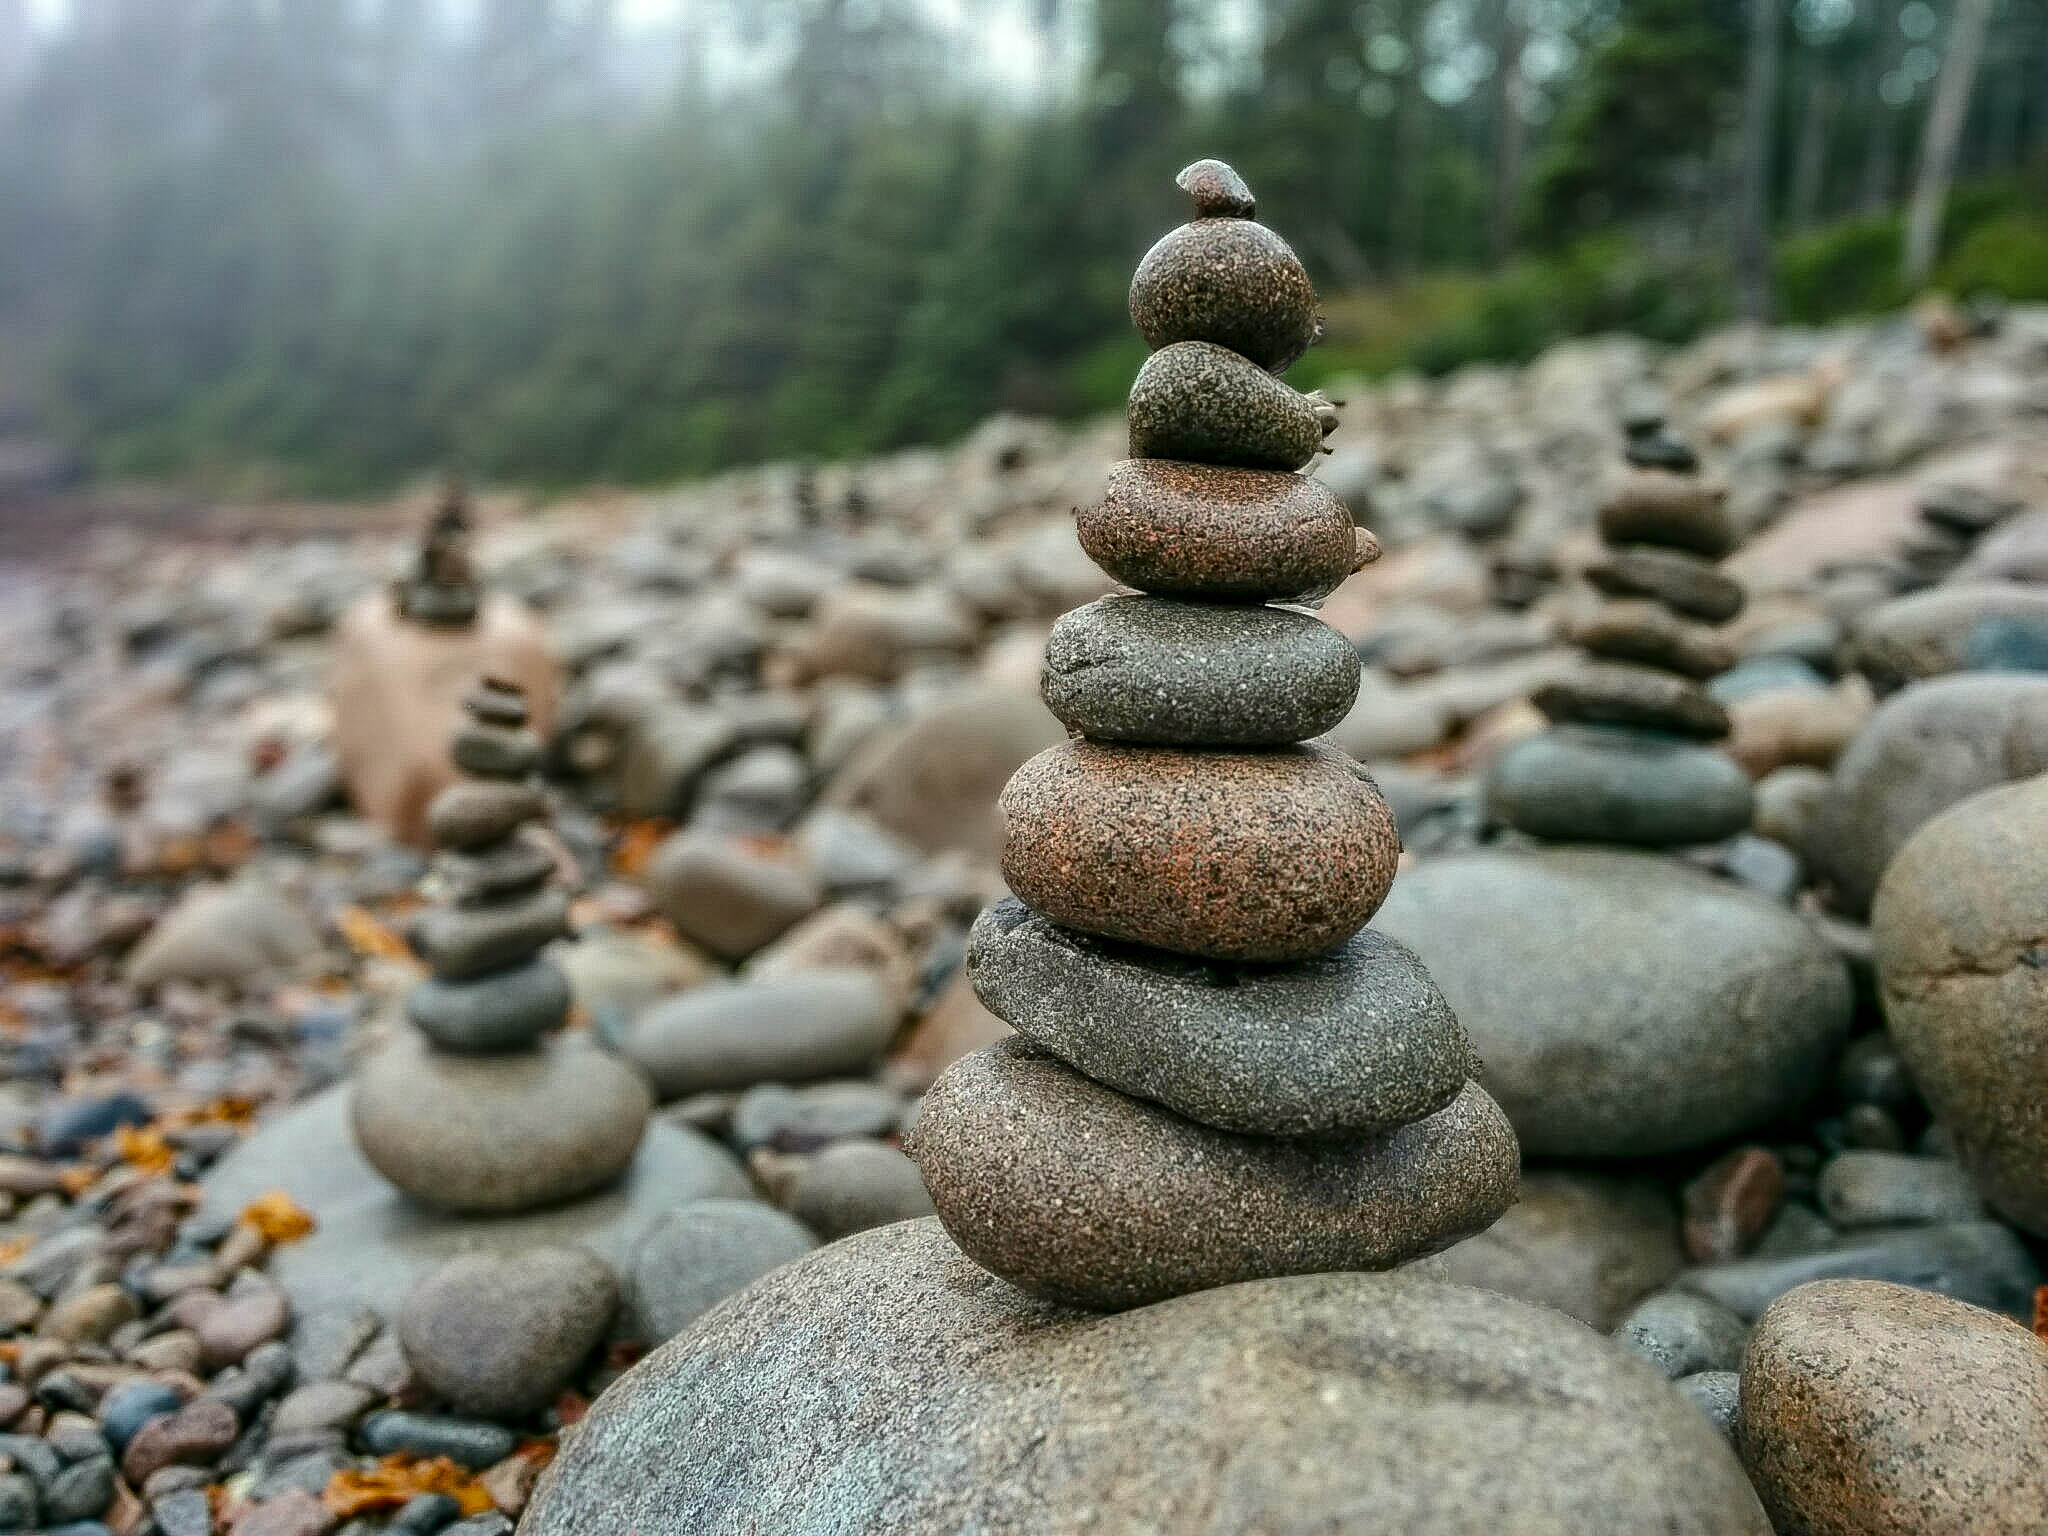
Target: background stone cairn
{"x": 1627, "y": 759}
{"x": 1219, "y": 1074}
{"x": 479, "y": 1111}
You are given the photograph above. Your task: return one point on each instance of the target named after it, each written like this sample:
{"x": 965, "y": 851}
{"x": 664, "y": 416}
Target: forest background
{"x": 324, "y": 245}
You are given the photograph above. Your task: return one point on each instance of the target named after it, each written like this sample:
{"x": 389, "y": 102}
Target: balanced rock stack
{"x": 1219, "y": 1074}
{"x": 1628, "y": 758}
{"x": 479, "y": 1111}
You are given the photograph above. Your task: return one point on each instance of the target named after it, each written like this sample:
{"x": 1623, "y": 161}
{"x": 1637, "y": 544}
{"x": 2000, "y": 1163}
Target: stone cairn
{"x": 479, "y": 1111}
{"x": 1219, "y": 1074}
{"x": 1628, "y": 757}
{"x": 442, "y": 590}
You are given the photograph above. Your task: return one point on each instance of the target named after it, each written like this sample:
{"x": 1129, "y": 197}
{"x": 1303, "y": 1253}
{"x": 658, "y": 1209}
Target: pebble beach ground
{"x": 790, "y": 698}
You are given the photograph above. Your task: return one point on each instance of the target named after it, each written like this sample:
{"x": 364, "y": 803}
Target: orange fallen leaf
{"x": 14, "y": 1247}
{"x": 370, "y": 937}
{"x": 636, "y": 846}
{"x": 279, "y": 1217}
{"x": 77, "y": 1179}
{"x": 2041, "y": 1312}
{"x": 144, "y": 1147}
{"x": 396, "y": 1480}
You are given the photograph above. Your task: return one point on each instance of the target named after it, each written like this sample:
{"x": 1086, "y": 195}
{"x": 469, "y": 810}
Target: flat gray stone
{"x": 503, "y": 1011}
{"x": 699, "y": 1254}
{"x": 781, "y": 1029}
{"x": 1350, "y": 1043}
{"x": 887, "y": 1384}
{"x": 371, "y": 1244}
{"x": 1607, "y": 784}
{"x": 1981, "y": 1262}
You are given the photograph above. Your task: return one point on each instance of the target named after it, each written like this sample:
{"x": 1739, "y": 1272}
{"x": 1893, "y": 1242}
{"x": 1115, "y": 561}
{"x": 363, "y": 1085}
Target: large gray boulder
{"x": 1624, "y": 1004}
{"x": 886, "y": 1384}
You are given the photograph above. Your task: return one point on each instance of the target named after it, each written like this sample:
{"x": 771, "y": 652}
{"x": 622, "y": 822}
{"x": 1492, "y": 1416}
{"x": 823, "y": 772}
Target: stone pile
{"x": 1219, "y": 1074}
{"x": 479, "y": 1111}
{"x": 1628, "y": 758}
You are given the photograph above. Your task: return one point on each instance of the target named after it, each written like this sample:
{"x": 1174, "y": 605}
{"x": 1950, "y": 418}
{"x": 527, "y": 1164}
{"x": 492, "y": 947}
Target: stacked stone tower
{"x": 1219, "y": 1073}
{"x": 480, "y": 1111}
{"x": 1629, "y": 756}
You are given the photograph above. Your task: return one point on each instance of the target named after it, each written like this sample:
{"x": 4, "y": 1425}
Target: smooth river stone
{"x": 497, "y": 1133}
{"x": 1149, "y": 669}
{"x": 1608, "y": 693}
{"x": 1693, "y": 586}
{"x": 475, "y": 814}
{"x": 1209, "y": 531}
{"x": 1654, "y": 506}
{"x": 1649, "y": 633}
{"x": 1340, "y": 1402}
{"x": 1607, "y": 784}
{"x": 460, "y": 942}
{"x": 503, "y": 872}
{"x": 503, "y": 1011}
{"x": 495, "y": 751}
{"x": 1351, "y": 1043}
{"x": 1230, "y": 281}
{"x": 1201, "y": 402}
{"x": 1266, "y": 856}
{"x": 1087, "y": 1197}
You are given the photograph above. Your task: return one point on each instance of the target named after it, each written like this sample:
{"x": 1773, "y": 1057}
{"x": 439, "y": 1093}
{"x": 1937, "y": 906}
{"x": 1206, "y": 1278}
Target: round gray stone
{"x": 781, "y": 1029}
{"x": 1624, "y": 1004}
{"x": 1230, "y": 281}
{"x": 1682, "y": 1334}
{"x": 854, "y": 1185}
{"x": 886, "y": 1384}
{"x": 1350, "y": 1043}
{"x": 371, "y": 1245}
{"x": 695, "y": 1257}
{"x": 1082, "y": 1195}
{"x": 1148, "y": 669}
{"x": 1610, "y": 784}
{"x": 508, "y": 1132}
{"x": 500, "y": 1336}
{"x": 504, "y": 1011}
{"x": 460, "y": 942}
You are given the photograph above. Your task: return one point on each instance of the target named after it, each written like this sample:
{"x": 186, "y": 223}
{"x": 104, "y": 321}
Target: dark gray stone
{"x": 695, "y": 1257}
{"x": 460, "y": 942}
{"x": 1682, "y": 1333}
{"x": 1624, "y": 1004}
{"x": 1149, "y": 669}
{"x": 466, "y": 1442}
{"x": 1350, "y": 1043}
{"x": 823, "y": 1023}
{"x": 1980, "y": 1262}
{"x": 1609, "y": 784}
{"x": 503, "y": 1011}
{"x": 886, "y": 1384}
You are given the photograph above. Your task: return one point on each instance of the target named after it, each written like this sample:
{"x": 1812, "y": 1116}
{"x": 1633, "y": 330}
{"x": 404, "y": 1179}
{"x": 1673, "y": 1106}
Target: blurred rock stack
{"x": 480, "y": 1111}
{"x": 1628, "y": 756}
{"x": 1219, "y": 1075}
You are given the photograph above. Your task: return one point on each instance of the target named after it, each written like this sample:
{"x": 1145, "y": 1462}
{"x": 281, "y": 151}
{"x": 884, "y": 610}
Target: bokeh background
{"x": 324, "y": 245}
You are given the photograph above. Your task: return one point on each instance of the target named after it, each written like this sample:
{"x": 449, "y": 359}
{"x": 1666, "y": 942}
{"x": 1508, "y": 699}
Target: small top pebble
{"x": 1219, "y": 192}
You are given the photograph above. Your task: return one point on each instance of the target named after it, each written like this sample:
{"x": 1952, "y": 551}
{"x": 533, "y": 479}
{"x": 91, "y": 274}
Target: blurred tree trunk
{"x": 1880, "y": 118}
{"x": 1809, "y": 165}
{"x": 1759, "y": 100}
{"x": 1510, "y": 37}
{"x": 1944, "y": 132}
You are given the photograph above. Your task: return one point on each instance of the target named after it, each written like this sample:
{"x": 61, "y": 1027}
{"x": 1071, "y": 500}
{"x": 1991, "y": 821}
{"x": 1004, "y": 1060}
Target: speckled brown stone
{"x": 1685, "y": 582}
{"x": 1203, "y": 530}
{"x": 1263, "y": 856}
{"x": 1207, "y": 404}
{"x": 1655, "y": 506}
{"x": 475, "y": 814}
{"x": 1082, "y": 1195}
{"x": 1352, "y": 1043}
{"x": 1230, "y": 281}
{"x": 1649, "y": 633}
{"x": 1608, "y": 693}
{"x": 1218, "y": 191}
{"x": 1872, "y": 1410}
{"x": 1151, "y": 669}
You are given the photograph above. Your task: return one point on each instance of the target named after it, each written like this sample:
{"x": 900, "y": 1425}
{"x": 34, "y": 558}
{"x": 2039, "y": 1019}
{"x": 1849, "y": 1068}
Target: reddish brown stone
{"x": 1655, "y": 506}
{"x": 1728, "y": 1207}
{"x": 1686, "y": 582}
{"x": 1275, "y": 855}
{"x": 1648, "y": 633}
{"x": 1202, "y": 530}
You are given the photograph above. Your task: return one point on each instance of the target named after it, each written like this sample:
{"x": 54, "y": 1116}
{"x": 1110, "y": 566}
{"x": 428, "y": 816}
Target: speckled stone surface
{"x": 1275, "y": 855}
{"x": 1204, "y": 403}
{"x": 1088, "y": 1197}
{"x": 1649, "y": 633}
{"x": 1869, "y": 1409}
{"x": 1655, "y": 506}
{"x": 1686, "y": 582}
{"x": 1218, "y": 191}
{"x": 474, "y": 815}
{"x": 503, "y": 1011}
{"x": 1205, "y": 530}
{"x": 1348, "y": 1044}
{"x": 1230, "y": 281}
{"x": 1150, "y": 669}
{"x": 506, "y": 1132}
{"x": 460, "y": 942}
{"x": 1610, "y": 693}
{"x": 1595, "y": 783}
{"x": 886, "y": 1384}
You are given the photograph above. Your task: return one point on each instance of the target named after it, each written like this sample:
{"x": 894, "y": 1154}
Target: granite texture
{"x": 1204, "y": 403}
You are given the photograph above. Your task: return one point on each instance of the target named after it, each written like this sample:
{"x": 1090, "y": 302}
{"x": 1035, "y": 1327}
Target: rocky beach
{"x": 470, "y": 968}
